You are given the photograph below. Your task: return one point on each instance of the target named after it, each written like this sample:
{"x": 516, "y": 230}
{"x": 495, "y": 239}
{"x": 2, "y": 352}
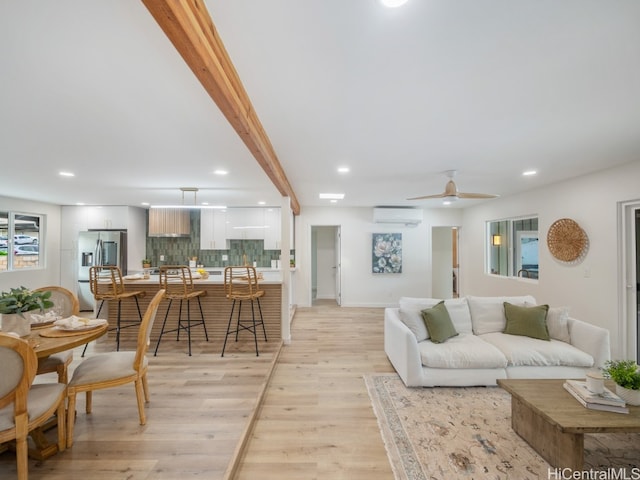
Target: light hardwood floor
{"x": 316, "y": 421}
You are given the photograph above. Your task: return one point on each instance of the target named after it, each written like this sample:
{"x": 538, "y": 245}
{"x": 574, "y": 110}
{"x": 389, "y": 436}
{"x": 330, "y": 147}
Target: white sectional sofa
{"x": 481, "y": 353}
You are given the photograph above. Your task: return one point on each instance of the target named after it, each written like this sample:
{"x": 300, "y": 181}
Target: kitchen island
{"x": 215, "y": 306}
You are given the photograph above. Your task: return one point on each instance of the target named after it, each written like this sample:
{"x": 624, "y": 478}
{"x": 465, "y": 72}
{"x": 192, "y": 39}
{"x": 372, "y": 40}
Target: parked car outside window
{"x": 26, "y": 250}
{"x": 3, "y": 241}
{"x": 24, "y": 239}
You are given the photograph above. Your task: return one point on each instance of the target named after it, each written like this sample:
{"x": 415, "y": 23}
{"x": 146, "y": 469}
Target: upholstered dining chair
{"x": 65, "y": 304}
{"x": 23, "y": 406}
{"x": 177, "y": 282}
{"x": 106, "y": 283}
{"x": 241, "y": 284}
{"x": 113, "y": 369}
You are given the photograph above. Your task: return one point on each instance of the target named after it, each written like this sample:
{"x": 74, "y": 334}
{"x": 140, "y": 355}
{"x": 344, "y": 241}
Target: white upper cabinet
{"x": 213, "y": 229}
{"x": 81, "y": 218}
{"x": 272, "y": 231}
{"x": 245, "y": 223}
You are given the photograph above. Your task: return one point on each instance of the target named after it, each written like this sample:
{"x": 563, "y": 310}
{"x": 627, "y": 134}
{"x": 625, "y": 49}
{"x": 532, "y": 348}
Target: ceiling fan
{"x": 451, "y": 193}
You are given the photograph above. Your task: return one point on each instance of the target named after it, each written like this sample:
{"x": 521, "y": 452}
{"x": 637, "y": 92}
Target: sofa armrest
{"x": 591, "y": 339}
{"x": 401, "y": 347}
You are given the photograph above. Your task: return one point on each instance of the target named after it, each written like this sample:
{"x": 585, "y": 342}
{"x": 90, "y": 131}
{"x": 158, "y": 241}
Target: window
{"x": 512, "y": 246}
{"x": 20, "y": 241}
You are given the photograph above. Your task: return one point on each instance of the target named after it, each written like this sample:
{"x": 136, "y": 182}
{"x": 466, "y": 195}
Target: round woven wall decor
{"x": 566, "y": 240}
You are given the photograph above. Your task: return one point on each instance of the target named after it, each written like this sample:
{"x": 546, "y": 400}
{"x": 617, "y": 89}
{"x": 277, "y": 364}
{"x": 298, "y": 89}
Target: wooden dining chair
{"x": 241, "y": 284}
{"x": 177, "y": 282}
{"x": 24, "y": 406}
{"x": 65, "y": 304}
{"x": 106, "y": 284}
{"x": 113, "y": 369}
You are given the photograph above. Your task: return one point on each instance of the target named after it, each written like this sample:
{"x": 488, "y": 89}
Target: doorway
{"x": 325, "y": 264}
{"x": 445, "y": 273}
{"x": 629, "y": 336}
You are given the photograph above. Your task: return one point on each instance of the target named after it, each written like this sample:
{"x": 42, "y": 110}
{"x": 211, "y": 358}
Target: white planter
{"x": 17, "y": 324}
{"x": 632, "y": 397}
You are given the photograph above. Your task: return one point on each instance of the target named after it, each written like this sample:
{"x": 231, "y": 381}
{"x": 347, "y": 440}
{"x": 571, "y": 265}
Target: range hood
{"x": 169, "y": 222}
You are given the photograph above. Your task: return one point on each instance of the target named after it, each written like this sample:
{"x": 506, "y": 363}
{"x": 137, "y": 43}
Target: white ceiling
{"x": 487, "y": 87}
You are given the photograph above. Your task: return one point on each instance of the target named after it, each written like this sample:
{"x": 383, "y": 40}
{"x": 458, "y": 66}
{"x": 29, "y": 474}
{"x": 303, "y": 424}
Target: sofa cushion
{"x": 410, "y": 315}
{"x": 463, "y": 351}
{"x": 487, "y": 313}
{"x": 438, "y": 323}
{"x": 527, "y": 351}
{"x": 527, "y": 321}
{"x": 410, "y": 308}
{"x": 558, "y": 323}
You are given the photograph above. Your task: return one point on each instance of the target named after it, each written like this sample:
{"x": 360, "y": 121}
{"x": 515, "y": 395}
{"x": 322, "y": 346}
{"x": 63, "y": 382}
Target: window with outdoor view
{"x": 20, "y": 240}
{"x": 512, "y": 246}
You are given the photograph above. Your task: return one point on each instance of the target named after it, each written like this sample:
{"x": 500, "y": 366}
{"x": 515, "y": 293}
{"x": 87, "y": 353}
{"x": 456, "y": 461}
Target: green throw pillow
{"x": 527, "y": 321}
{"x": 438, "y": 323}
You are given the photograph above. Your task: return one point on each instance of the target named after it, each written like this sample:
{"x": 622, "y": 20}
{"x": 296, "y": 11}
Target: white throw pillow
{"x": 458, "y": 309}
{"x": 410, "y": 315}
{"x": 487, "y": 313}
{"x": 558, "y": 323}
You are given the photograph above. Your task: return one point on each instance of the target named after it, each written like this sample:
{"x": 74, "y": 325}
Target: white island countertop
{"x": 216, "y": 277}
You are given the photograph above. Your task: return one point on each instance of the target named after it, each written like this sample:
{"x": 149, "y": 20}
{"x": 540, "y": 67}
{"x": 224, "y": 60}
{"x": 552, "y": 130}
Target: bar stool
{"x": 177, "y": 282}
{"x": 241, "y": 283}
{"x": 106, "y": 284}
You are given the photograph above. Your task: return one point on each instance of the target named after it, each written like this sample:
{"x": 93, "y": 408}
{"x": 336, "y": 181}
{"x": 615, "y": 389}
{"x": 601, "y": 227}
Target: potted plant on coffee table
{"x": 15, "y": 305}
{"x": 626, "y": 374}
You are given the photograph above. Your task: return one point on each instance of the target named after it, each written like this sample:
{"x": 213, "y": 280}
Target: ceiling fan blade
{"x": 440, "y": 195}
{"x": 476, "y": 195}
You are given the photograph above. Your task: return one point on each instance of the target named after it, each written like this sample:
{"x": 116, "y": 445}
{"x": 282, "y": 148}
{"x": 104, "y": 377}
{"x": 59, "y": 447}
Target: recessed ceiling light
{"x": 393, "y": 3}
{"x": 146, "y": 204}
{"x": 79, "y": 203}
{"x": 331, "y": 196}
{"x": 220, "y": 172}
{"x": 67, "y": 174}
{"x": 262, "y": 202}
{"x": 343, "y": 169}
{"x": 333, "y": 201}
{"x": 529, "y": 173}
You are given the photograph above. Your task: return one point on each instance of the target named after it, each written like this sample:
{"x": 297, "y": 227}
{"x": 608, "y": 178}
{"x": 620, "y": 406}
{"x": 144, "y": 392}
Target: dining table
{"x": 45, "y": 341}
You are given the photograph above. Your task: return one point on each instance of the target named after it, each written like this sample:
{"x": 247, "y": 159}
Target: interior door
{"x": 338, "y": 268}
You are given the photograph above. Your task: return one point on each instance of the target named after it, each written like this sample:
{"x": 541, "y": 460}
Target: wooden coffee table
{"x": 553, "y": 422}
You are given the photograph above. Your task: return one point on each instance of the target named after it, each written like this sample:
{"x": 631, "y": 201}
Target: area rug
{"x": 451, "y": 433}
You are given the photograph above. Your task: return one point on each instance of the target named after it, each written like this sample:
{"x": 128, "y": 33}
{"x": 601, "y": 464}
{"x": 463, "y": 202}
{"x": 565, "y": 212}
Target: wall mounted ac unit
{"x": 407, "y": 216}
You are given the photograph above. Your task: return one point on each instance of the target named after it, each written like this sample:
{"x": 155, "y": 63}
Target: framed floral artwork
{"x": 386, "y": 256}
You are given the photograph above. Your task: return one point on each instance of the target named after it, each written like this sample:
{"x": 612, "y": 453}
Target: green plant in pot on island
{"x": 146, "y": 263}
{"x": 15, "y": 303}
{"x": 626, "y": 374}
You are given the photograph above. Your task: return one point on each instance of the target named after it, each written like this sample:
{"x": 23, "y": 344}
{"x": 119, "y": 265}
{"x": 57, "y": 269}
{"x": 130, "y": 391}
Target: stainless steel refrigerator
{"x": 97, "y": 248}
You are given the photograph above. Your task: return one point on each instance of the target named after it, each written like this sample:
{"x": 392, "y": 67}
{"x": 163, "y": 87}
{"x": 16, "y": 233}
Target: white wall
{"x": 591, "y": 288}
{"x": 360, "y": 287}
{"x": 49, "y": 274}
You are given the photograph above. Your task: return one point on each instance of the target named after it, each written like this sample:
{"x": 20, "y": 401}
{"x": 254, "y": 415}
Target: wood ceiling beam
{"x": 189, "y": 27}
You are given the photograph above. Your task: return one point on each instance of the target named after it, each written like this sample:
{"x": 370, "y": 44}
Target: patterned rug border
{"x": 398, "y": 409}
{"x": 405, "y": 466}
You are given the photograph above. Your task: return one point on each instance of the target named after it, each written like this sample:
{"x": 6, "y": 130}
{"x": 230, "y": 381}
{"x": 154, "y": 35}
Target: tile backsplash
{"x": 178, "y": 251}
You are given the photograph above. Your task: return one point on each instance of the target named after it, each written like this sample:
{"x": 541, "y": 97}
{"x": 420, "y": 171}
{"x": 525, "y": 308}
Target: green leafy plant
{"x": 624, "y": 372}
{"x": 20, "y": 300}
{"x": 146, "y": 261}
